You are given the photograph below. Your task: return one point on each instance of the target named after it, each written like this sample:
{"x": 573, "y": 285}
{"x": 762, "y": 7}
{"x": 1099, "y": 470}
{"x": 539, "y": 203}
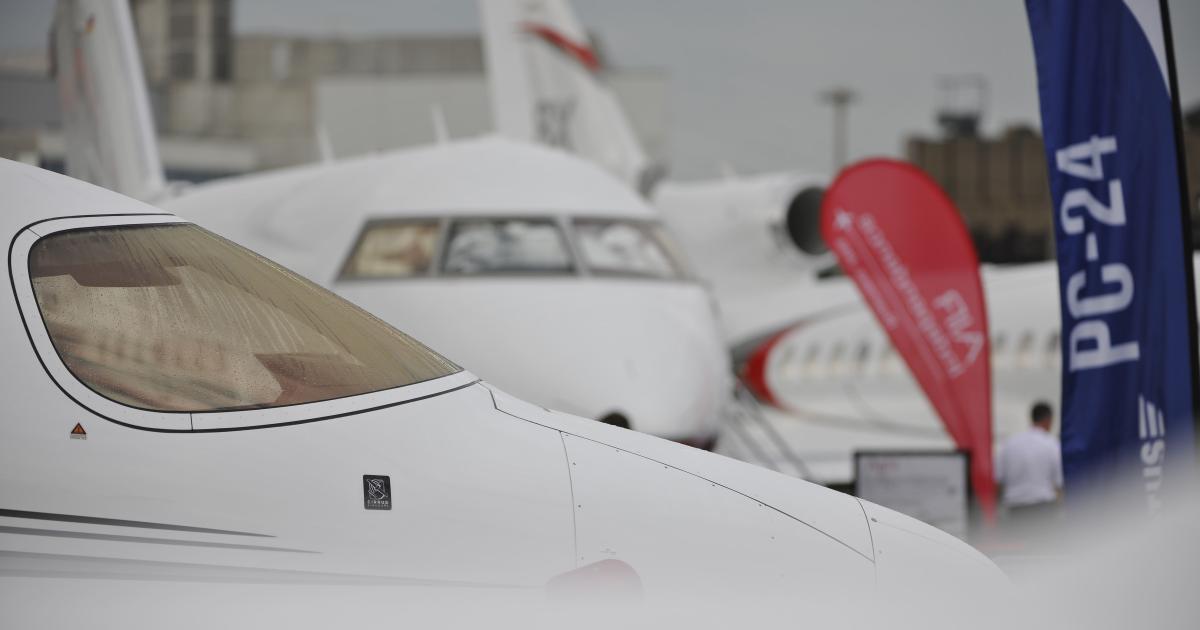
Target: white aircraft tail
{"x": 545, "y": 86}
{"x": 108, "y": 128}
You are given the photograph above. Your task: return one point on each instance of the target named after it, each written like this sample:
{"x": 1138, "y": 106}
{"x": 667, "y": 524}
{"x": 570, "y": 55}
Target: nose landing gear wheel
{"x": 616, "y": 419}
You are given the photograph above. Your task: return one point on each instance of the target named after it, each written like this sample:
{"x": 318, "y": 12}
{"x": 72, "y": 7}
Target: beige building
{"x": 1000, "y": 186}
{"x": 227, "y": 104}
{"x": 278, "y": 94}
{"x": 184, "y": 40}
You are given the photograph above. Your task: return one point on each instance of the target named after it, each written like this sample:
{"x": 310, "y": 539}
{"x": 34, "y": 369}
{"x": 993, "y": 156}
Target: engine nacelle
{"x": 802, "y": 221}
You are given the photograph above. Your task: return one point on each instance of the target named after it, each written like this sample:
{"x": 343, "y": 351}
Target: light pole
{"x": 840, "y": 98}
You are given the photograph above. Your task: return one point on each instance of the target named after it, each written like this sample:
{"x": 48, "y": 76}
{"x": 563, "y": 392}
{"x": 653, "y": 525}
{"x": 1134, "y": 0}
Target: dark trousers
{"x": 1036, "y": 520}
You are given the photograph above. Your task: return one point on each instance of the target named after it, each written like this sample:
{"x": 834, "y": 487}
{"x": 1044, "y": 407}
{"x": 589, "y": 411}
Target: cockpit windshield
{"x": 626, "y": 248}
{"x": 487, "y": 246}
{"x": 394, "y": 249}
{"x": 174, "y": 318}
{"x": 504, "y": 246}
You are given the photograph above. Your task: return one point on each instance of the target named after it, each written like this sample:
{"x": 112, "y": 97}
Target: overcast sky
{"x": 745, "y": 74}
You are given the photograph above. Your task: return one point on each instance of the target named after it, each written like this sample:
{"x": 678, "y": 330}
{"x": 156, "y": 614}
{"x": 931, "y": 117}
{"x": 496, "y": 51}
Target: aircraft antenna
{"x": 441, "y": 133}
{"x": 840, "y": 98}
{"x": 324, "y": 145}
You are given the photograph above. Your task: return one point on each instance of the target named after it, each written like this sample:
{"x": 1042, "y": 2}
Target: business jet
{"x": 832, "y": 379}
{"x": 183, "y": 415}
{"x": 747, "y": 237}
{"x": 537, "y": 269}
{"x": 541, "y": 271}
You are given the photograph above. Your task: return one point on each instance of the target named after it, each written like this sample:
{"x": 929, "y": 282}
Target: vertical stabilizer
{"x": 546, "y": 86}
{"x": 513, "y": 99}
{"x": 108, "y": 128}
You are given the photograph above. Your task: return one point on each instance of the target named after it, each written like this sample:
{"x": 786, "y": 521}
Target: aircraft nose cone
{"x": 915, "y": 561}
{"x": 647, "y": 350}
{"x": 676, "y": 380}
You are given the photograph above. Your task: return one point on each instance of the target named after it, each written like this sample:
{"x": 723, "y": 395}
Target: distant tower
{"x": 963, "y": 101}
{"x": 840, "y": 98}
{"x": 184, "y": 40}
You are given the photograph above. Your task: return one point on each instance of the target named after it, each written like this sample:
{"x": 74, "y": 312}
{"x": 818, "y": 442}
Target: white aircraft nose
{"x": 671, "y": 383}
{"x": 683, "y": 518}
{"x": 670, "y": 373}
{"x": 916, "y": 560}
{"x": 647, "y": 350}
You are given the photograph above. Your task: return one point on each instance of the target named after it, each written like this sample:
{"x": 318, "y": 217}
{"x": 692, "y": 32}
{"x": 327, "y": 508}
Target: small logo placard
{"x": 377, "y": 492}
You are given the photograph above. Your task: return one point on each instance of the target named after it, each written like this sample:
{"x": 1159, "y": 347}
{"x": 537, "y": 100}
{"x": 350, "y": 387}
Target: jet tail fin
{"x": 108, "y": 128}
{"x": 545, "y": 86}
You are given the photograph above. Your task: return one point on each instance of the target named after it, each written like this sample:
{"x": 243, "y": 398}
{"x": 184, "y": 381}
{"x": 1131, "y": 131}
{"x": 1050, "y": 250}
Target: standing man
{"x": 1029, "y": 469}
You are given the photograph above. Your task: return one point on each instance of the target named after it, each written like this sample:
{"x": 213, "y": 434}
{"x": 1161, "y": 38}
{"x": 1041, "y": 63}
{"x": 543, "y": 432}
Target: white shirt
{"x": 1030, "y": 468}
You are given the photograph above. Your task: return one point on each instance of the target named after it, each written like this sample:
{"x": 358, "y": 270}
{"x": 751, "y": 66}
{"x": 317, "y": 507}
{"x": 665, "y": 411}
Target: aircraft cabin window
{"x": 617, "y": 247}
{"x": 506, "y": 246}
{"x": 175, "y": 318}
{"x": 889, "y": 362}
{"x": 1053, "y": 348}
{"x": 1025, "y": 348}
{"x": 811, "y": 353}
{"x": 393, "y": 249}
{"x": 835, "y": 358}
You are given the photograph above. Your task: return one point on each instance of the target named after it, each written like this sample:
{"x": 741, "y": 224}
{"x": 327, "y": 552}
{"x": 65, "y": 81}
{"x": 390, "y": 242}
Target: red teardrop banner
{"x": 901, "y": 240}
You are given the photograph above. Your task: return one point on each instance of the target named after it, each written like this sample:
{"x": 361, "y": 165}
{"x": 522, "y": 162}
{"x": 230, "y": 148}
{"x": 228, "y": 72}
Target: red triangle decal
{"x": 78, "y": 430}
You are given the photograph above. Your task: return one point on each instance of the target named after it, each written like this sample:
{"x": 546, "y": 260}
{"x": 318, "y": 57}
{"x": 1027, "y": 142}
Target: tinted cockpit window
{"x": 174, "y": 318}
{"x": 500, "y": 246}
{"x": 626, "y": 248}
{"x": 394, "y": 249}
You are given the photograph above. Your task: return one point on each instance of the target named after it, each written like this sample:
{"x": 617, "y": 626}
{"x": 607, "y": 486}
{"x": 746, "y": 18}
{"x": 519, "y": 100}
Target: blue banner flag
{"x": 1105, "y": 79}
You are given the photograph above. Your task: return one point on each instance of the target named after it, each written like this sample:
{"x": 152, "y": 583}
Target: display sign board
{"x": 928, "y": 485}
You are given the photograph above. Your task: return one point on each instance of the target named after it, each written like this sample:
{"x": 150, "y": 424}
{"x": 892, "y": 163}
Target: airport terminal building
{"x": 999, "y": 185}
{"x": 228, "y": 103}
